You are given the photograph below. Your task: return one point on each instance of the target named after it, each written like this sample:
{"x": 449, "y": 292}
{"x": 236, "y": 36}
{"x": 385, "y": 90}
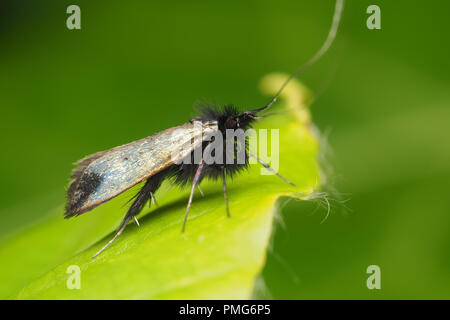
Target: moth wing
{"x": 104, "y": 175}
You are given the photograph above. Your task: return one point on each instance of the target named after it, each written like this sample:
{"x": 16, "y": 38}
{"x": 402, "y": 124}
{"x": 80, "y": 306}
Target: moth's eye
{"x": 230, "y": 124}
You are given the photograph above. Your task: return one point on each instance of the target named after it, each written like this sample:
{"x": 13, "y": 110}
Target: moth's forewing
{"x": 104, "y": 175}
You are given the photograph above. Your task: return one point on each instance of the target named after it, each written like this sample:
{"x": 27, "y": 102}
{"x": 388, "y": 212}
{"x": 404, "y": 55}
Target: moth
{"x": 104, "y": 175}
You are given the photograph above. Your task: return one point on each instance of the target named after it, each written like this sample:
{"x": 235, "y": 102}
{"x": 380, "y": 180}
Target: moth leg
{"x": 265, "y": 165}
{"x": 136, "y": 220}
{"x": 141, "y": 198}
{"x": 224, "y": 183}
{"x": 197, "y": 175}
{"x": 123, "y": 225}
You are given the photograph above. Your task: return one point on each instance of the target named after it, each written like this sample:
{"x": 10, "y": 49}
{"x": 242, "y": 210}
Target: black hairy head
{"x": 228, "y": 117}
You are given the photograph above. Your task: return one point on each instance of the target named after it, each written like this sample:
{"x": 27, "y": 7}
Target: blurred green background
{"x": 138, "y": 67}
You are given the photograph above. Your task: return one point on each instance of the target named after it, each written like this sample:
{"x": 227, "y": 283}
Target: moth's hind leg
{"x": 144, "y": 195}
{"x": 195, "y": 182}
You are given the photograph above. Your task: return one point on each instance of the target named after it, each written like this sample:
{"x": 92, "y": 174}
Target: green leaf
{"x": 216, "y": 258}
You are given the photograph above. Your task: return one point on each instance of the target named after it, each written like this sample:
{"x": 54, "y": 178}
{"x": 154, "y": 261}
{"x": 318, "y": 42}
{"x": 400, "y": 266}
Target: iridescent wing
{"x": 104, "y": 175}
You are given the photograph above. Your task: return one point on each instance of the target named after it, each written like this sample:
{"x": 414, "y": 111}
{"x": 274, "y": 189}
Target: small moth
{"x": 104, "y": 175}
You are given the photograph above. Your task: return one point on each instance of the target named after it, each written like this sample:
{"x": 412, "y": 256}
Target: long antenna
{"x": 326, "y": 45}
